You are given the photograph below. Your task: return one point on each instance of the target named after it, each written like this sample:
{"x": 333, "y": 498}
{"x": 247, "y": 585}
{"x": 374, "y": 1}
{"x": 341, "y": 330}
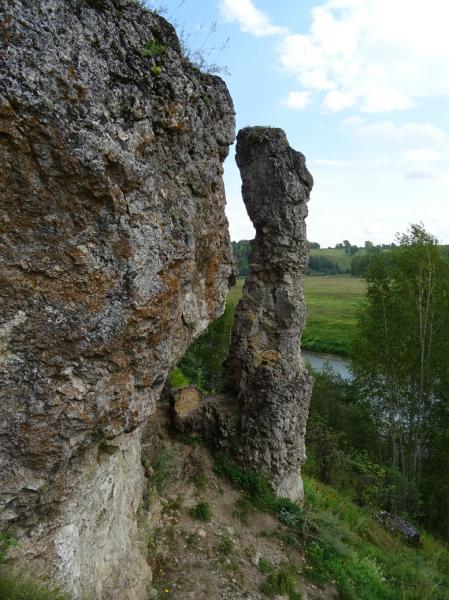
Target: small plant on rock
{"x": 153, "y": 48}
{"x": 6, "y": 542}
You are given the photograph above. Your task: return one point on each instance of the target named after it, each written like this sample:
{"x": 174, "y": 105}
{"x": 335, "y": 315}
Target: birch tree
{"x": 401, "y": 354}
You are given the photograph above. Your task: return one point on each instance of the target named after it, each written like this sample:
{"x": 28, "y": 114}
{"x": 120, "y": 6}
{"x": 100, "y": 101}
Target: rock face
{"x": 265, "y": 367}
{"x": 115, "y": 255}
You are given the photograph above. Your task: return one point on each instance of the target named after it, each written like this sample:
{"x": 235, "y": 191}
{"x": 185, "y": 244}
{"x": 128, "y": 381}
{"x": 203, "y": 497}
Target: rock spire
{"x": 265, "y": 368}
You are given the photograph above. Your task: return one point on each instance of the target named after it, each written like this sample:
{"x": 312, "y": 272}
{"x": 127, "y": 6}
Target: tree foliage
{"x": 323, "y": 266}
{"x": 242, "y": 255}
{"x": 202, "y": 363}
{"x": 401, "y": 354}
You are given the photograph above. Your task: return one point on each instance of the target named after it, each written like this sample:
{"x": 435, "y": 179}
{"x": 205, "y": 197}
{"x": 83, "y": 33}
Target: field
{"x": 331, "y": 311}
{"x": 336, "y": 255}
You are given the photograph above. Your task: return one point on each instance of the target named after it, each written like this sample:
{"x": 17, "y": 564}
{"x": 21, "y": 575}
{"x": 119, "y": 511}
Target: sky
{"x": 360, "y": 87}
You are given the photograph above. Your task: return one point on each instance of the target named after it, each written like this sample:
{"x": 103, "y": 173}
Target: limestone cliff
{"x": 265, "y": 368}
{"x": 114, "y": 254}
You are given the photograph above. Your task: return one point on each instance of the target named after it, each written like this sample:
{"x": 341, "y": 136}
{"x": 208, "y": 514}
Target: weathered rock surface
{"x": 114, "y": 254}
{"x": 184, "y": 402}
{"x": 264, "y": 366}
{"x": 214, "y": 418}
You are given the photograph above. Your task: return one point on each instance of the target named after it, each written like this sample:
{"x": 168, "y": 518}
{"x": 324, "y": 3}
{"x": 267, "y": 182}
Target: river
{"x": 318, "y": 361}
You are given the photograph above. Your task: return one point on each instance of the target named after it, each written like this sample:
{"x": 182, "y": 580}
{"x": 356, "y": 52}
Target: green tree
{"x": 242, "y": 255}
{"x": 359, "y": 264}
{"x": 202, "y": 363}
{"x": 401, "y": 354}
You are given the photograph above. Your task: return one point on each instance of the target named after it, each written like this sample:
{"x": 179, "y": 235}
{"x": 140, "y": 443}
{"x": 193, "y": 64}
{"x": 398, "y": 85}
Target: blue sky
{"x": 361, "y": 88}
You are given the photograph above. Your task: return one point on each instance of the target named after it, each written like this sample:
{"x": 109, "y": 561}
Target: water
{"x": 318, "y": 361}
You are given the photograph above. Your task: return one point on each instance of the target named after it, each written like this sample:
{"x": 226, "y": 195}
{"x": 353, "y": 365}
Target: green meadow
{"x": 336, "y": 255}
{"x": 331, "y": 303}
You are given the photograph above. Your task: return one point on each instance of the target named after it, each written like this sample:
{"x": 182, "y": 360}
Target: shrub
{"x": 280, "y": 582}
{"x": 165, "y": 467}
{"x": 226, "y": 546}
{"x": 256, "y": 489}
{"x": 243, "y": 510}
{"x": 153, "y": 48}
{"x": 203, "y": 361}
{"x": 200, "y": 482}
{"x": 178, "y": 379}
{"x": 202, "y": 511}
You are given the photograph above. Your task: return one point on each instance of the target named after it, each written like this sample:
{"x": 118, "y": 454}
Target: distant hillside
{"x": 323, "y": 261}
{"x": 336, "y": 256}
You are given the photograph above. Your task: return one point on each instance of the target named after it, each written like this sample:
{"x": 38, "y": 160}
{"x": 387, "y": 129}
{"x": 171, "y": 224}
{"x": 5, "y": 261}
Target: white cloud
{"x": 250, "y": 19}
{"x": 378, "y": 55}
{"x": 297, "y": 100}
{"x": 336, "y": 101}
{"x": 407, "y": 134}
{"x": 423, "y": 155}
{"x": 422, "y": 174}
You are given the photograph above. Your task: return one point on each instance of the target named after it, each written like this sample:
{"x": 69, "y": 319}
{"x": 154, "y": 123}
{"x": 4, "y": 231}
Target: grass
{"x": 226, "y": 546}
{"x": 336, "y": 255}
{"x": 235, "y": 293}
{"x": 279, "y": 582}
{"x": 365, "y": 561}
{"x": 165, "y": 468}
{"x": 331, "y": 303}
{"x": 255, "y": 488}
{"x": 344, "y": 545}
{"x": 15, "y": 586}
{"x": 202, "y": 512}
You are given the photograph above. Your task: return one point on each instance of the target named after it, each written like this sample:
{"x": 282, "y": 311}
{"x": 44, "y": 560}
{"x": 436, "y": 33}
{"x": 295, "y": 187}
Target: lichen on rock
{"x": 265, "y": 368}
{"x": 115, "y": 255}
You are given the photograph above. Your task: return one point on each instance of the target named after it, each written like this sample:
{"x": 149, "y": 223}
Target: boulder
{"x": 397, "y": 524}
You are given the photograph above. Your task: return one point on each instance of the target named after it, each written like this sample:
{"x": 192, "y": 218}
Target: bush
{"x": 178, "y": 379}
{"x": 202, "y": 511}
{"x": 279, "y": 582}
{"x": 153, "y": 48}
{"x": 226, "y": 546}
{"x": 202, "y": 363}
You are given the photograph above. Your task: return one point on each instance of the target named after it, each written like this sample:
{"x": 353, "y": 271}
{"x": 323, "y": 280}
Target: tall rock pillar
{"x": 265, "y": 367}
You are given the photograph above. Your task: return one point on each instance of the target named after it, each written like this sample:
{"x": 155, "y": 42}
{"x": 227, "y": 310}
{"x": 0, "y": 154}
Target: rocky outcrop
{"x": 114, "y": 255}
{"x": 265, "y": 367}
{"x": 397, "y": 524}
